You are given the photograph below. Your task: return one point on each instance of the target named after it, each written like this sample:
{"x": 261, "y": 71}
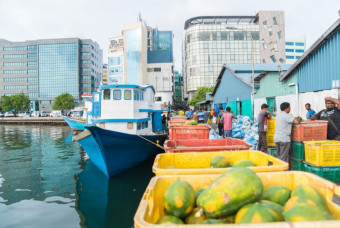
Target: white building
{"x": 295, "y": 49}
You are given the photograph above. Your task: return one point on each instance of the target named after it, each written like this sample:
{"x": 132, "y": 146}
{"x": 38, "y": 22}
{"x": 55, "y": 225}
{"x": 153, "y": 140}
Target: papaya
{"x": 229, "y": 192}
{"x": 243, "y": 163}
{"x": 179, "y": 199}
{"x": 305, "y": 212}
{"x": 257, "y": 213}
{"x": 169, "y": 219}
{"x": 274, "y": 206}
{"x": 197, "y": 215}
{"x": 311, "y": 193}
{"x": 199, "y": 191}
{"x": 211, "y": 221}
{"x": 276, "y": 194}
{"x": 229, "y": 219}
{"x": 219, "y": 162}
{"x": 296, "y": 200}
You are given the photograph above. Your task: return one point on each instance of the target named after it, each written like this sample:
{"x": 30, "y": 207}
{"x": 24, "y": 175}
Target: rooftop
{"x": 217, "y": 20}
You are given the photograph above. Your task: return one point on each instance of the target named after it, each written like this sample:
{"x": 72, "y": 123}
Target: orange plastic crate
{"x": 178, "y": 117}
{"x": 310, "y": 131}
{"x": 189, "y": 132}
{"x": 204, "y": 145}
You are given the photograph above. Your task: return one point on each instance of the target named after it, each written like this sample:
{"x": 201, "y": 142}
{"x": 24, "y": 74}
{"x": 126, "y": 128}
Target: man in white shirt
{"x": 283, "y": 130}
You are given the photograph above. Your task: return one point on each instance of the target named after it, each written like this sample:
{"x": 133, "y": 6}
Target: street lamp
{"x": 252, "y": 62}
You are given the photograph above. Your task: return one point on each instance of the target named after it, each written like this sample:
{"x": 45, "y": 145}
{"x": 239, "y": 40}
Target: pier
{"x": 33, "y": 120}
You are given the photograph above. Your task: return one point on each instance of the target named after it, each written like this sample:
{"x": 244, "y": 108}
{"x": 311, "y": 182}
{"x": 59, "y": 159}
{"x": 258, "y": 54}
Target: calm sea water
{"x": 45, "y": 181}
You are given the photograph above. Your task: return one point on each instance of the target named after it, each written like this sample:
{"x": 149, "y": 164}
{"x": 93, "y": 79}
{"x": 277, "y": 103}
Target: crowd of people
{"x": 284, "y": 122}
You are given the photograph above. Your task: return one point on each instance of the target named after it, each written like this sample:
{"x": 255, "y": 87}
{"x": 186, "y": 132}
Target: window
{"x": 264, "y": 24}
{"x": 281, "y": 60}
{"x": 158, "y": 98}
{"x": 87, "y": 77}
{"x": 239, "y": 35}
{"x": 15, "y": 79}
{"x": 279, "y": 34}
{"x": 31, "y": 47}
{"x": 32, "y": 87}
{"x": 84, "y": 61}
{"x": 289, "y": 50}
{"x": 22, "y": 56}
{"x": 31, "y": 64}
{"x": 85, "y": 46}
{"x": 117, "y": 94}
{"x": 299, "y": 44}
{"x": 18, "y": 48}
{"x": 299, "y": 50}
{"x": 32, "y": 95}
{"x": 14, "y": 72}
{"x": 289, "y": 43}
{"x": 143, "y": 125}
{"x": 31, "y": 55}
{"x": 137, "y": 95}
{"x": 15, "y": 87}
{"x": 255, "y": 35}
{"x": 14, "y": 64}
{"x": 289, "y": 57}
{"x": 274, "y": 21}
{"x": 107, "y": 94}
{"x": 32, "y": 71}
{"x": 297, "y": 57}
{"x": 272, "y": 57}
{"x": 129, "y": 125}
{"x": 157, "y": 69}
{"x": 127, "y": 94}
{"x": 86, "y": 85}
{"x": 84, "y": 53}
{"x": 150, "y": 69}
{"x": 146, "y": 124}
{"x": 270, "y": 31}
{"x": 85, "y": 69}
{"x": 138, "y": 126}
{"x": 32, "y": 79}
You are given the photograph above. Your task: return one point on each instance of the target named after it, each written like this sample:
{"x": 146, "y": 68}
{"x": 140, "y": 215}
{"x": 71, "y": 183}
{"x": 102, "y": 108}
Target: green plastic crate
{"x": 296, "y": 164}
{"x": 297, "y": 150}
{"x": 331, "y": 173}
{"x": 272, "y": 151}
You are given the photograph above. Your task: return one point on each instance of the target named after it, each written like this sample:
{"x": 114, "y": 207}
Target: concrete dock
{"x": 33, "y": 120}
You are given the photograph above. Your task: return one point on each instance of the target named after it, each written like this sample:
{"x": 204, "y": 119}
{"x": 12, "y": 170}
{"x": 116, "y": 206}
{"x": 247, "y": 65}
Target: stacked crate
{"x": 297, "y": 155}
{"x": 270, "y": 137}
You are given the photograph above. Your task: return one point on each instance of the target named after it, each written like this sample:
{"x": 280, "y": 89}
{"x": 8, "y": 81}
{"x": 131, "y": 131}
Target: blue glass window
{"x": 299, "y": 50}
{"x": 289, "y": 57}
{"x": 32, "y": 95}
{"x": 84, "y": 53}
{"x": 297, "y": 57}
{"x": 14, "y": 63}
{"x": 32, "y": 71}
{"x": 146, "y": 124}
{"x": 289, "y": 43}
{"x": 86, "y": 69}
{"x": 85, "y": 46}
{"x": 20, "y": 56}
{"x": 85, "y": 61}
{"x": 138, "y": 126}
{"x": 299, "y": 44}
{"x": 31, "y": 63}
{"x": 32, "y": 87}
{"x": 58, "y": 69}
{"x": 135, "y": 95}
{"x": 117, "y": 94}
{"x": 31, "y": 47}
{"x": 86, "y": 85}
{"x": 15, "y": 79}
{"x": 32, "y": 79}
{"x": 14, "y": 87}
{"x": 143, "y": 125}
{"x": 31, "y": 55}
{"x": 14, "y": 72}
{"x": 289, "y": 50}
{"x": 17, "y": 48}
{"x": 132, "y": 52}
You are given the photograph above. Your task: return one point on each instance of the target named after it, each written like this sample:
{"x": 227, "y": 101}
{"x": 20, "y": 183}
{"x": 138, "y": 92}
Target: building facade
{"x": 212, "y": 41}
{"x": 143, "y": 56}
{"x": 105, "y": 75}
{"x": 295, "y": 49}
{"x": 44, "y": 69}
{"x": 178, "y": 87}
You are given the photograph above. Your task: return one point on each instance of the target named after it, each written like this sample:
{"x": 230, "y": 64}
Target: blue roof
{"x": 258, "y": 67}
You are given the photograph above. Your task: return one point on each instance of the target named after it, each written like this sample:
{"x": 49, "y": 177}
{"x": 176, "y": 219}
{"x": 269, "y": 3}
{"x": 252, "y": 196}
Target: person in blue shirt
{"x": 200, "y": 115}
{"x": 310, "y": 112}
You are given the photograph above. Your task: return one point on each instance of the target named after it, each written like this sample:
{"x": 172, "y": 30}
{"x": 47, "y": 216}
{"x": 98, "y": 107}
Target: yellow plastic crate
{"x": 199, "y": 163}
{"x": 322, "y": 153}
{"x": 271, "y": 125}
{"x": 270, "y": 139}
{"x": 151, "y": 207}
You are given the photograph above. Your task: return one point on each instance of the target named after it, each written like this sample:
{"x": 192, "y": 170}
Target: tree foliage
{"x": 200, "y": 95}
{"x": 63, "y": 101}
{"x": 16, "y": 103}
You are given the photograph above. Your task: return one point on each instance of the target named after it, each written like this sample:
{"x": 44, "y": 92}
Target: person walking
{"x": 310, "y": 112}
{"x": 262, "y": 130}
{"x": 332, "y": 115}
{"x": 219, "y": 122}
{"x": 205, "y": 115}
{"x": 227, "y": 120}
{"x": 283, "y": 130}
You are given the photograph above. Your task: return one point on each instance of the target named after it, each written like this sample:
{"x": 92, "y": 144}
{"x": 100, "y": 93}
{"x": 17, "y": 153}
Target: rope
{"x": 156, "y": 144}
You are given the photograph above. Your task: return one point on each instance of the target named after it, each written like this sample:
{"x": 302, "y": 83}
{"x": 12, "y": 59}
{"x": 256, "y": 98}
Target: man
{"x": 332, "y": 115}
{"x": 205, "y": 115}
{"x": 200, "y": 116}
{"x": 219, "y": 122}
{"x": 310, "y": 112}
{"x": 283, "y": 130}
{"x": 264, "y": 113}
{"x": 227, "y": 120}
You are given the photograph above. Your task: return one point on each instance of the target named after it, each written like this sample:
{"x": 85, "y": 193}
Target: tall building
{"x": 44, "y": 69}
{"x": 160, "y": 64}
{"x": 211, "y": 41}
{"x": 143, "y": 55}
{"x": 178, "y": 86}
{"x": 295, "y": 49}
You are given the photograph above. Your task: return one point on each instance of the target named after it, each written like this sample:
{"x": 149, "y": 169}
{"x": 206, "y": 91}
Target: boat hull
{"x": 76, "y": 125}
{"x": 114, "y": 152}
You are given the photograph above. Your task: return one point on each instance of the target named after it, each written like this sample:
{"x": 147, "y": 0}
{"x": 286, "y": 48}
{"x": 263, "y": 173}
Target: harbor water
{"x": 46, "y": 180}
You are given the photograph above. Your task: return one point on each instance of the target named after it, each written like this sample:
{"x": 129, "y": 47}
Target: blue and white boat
{"x": 126, "y": 128}
{"x": 78, "y": 124}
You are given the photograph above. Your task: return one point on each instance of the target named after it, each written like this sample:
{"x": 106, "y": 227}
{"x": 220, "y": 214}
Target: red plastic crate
{"x": 176, "y": 121}
{"x": 204, "y": 145}
{"x": 310, "y": 131}
{"x": 178, "y": 117}
{"x": 189, "y": 132}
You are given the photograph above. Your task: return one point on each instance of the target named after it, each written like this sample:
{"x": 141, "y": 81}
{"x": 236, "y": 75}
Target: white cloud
{"x": 98, "y": 20}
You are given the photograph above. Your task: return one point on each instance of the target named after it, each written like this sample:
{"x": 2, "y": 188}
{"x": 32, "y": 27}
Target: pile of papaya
{"x": 223, "y": 162}
{"x": 238, "y": 196}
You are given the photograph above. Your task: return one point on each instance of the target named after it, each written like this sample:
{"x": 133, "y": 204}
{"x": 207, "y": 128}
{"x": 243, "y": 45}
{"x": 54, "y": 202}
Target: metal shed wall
{"x": 321, "y": 71}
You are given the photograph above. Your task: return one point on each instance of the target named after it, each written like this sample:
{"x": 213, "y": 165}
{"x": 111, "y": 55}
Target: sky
{"x": 99, "y": 20}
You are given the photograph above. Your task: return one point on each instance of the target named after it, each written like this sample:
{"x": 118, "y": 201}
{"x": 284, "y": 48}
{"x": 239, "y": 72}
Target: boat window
{"x": 135, "y": 95}
{"x": 143, "y": 125}
{"x": 129, "y": 125}
{"x": 142, "y": 96}
{"x": 127, "y": 94}
{"x": 117, "y": 94}
{"x": 138, "y": 126}
{"x": 107, "y": 94}
{"x": 146, "y": 124}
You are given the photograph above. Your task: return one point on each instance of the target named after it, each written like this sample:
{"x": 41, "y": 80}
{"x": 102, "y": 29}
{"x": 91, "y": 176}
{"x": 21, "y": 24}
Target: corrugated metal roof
{"x": 314, "y": 48}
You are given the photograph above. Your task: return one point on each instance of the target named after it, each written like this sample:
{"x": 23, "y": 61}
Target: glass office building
{"x": 44, "y": 69}
{"x": 295, "y": 48}
{"x": 212, "y": 41}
